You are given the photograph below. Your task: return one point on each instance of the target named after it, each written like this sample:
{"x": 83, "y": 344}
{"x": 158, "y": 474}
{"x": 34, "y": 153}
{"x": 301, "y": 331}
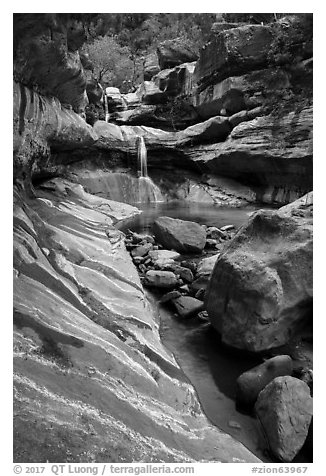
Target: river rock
{"x": 188, "y": 306}
{"x": 260, "y": 289}
{"x": 161, "y": 279}
{"x": 174, "y": 52}
{"x": 169, "y": 296}
{"x": 180, "y": 235}
{"x": 250, "y": 383}
{"x": 163, "y": 255}
{"x": 185, "y": 274}
{"x": 284, "y": 409}
{"x": 141, "y": 250}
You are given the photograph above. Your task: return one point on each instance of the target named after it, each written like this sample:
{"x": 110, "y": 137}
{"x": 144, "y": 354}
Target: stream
{"x": 209, "y": 366}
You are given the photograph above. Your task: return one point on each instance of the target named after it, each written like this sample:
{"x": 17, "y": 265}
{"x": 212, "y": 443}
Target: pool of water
{"x": 205, "y": 214}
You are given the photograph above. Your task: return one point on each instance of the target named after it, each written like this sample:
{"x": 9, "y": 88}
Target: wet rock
{"x": 169, "y": 296}
{"x": 161, "y": 279}
{"x": 174, "y": 52}
{"x": 141, "y": 250}
{"x": 185, "y": 274}
{"x": 250, "y": 383}
{"x": 184, "y": 289}
{"x": 163, "y": 255}
{"x": 138, "y": 259}
{"x": 284, "y": 409}
{"x": 227, "y": 227}
{"x": 234, "y": 424}
{"x": 211, "y": 243}
{"x": 188, "y": 306}
{"x": 260, "y": 290}
{"x": 200, "y": 294}
{"x": 180, "y": 235}
{"x": 215, "y": 233}
{"x": 203, "y": 316}
{"x": 192, "y": 265}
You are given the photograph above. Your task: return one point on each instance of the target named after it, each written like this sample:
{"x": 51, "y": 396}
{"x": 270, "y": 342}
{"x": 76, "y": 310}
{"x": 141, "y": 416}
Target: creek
{"x": 209, "y": 366}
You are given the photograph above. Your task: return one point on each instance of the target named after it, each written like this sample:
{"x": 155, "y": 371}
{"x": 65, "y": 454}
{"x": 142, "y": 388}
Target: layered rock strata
{"x": 87, "y": 349}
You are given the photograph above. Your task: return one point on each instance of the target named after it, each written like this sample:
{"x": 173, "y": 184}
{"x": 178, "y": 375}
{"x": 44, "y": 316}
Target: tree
{"x": 112, "y": 65}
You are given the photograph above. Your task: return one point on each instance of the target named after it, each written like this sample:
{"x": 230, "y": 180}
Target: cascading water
{"x": 106, "y": 108}
{"x": 148, "y": 191}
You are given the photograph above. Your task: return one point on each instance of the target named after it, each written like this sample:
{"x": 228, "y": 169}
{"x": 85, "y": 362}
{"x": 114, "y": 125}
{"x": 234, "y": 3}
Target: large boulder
{"x": 174, "y": 52}
{"x": 250, "y": 383}
{"x": 260, "y": 291}
{"x": 180, "y": 235}
{"x": 284, "y": 409}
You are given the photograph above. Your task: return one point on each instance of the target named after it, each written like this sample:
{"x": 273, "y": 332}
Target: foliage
{"x": 111, "y": 61}
{"x": 125, "y": 39}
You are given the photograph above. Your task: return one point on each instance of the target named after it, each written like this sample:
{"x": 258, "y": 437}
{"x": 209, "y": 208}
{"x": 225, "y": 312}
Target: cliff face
{"x": 46, "y": 56}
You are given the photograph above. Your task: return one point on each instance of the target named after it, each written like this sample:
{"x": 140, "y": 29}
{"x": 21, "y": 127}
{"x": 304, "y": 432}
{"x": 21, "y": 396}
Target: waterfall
{"x": 142, "y": 157}
{"x": 106, "y": 109}
{"x": 148, "y": 191}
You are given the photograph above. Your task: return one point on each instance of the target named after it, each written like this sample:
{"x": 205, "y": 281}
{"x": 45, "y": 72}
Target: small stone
{"x": 141, "y": 250}
{"x": 200, "y": 294}
{"x": 215, "y": 233}
{"x": 210, "y": 243}
{"x": 203, "y": 316}
{"x": 234, "y": 424}
{"x": 184, "y": 288}
{"x": 169, "y": 296}
{"x": 227, "y": 227}
{"x": 138, "y": 259}
{"x": 161, "y": 279}
{"x": 188, "y": 306}
{"x": 186, "y": 274}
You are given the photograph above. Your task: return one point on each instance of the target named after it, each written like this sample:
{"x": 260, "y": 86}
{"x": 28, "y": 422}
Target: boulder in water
{"x": 180, "y": 235}
{"x": 284, "y": 408}
{"x": 250, "y": 383}
{"x": 260, "y": 291}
